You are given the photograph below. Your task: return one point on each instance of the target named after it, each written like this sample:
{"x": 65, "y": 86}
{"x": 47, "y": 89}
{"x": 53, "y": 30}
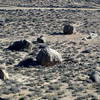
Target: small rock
{"x": 95, "y": 76}
{"x": 3, "y": 98}
{"x": 41, "y": 39}
{"x": 68, "y": 29}
{"x": 48, "y": 57}
{"x": 88, "y": 37}
{"x": 14, "y": 90}
{"x": 93, "y": 35}
{"x": 84, "y": 38}
{"x": 20, "y": 45}
{"x": 24, "y": 98}
{"x": 54, "y": 87}
{"x": 86, "y": 51}
{"x": 83, "y": 77}
{"x": 2, "y": 21}
{"x": 3, "y": 74}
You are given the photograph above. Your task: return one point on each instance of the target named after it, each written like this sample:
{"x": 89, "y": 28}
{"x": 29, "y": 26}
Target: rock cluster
{"x": 45, "y": 57}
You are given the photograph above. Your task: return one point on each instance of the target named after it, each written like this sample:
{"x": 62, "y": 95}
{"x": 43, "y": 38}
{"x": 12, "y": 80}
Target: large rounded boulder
{"x": 21, "y": 45}
{"x": 48, "y": 57}
{"x": 68, "y": 29}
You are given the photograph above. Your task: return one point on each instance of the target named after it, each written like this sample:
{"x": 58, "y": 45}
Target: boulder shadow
{"x": 29, "y": 62}
{"x": 57, "y": 33}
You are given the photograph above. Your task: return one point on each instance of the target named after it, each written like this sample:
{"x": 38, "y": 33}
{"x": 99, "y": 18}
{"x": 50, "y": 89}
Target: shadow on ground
{"x": 57, "y": 33}
{"x": 29, "y": 62}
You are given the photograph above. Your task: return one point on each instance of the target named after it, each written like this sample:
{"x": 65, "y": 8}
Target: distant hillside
{"x": 49, "y": 3}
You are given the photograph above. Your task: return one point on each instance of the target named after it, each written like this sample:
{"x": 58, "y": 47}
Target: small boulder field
{"x": 50, "y": 53}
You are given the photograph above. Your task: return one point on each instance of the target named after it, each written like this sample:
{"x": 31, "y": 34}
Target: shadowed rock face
{"x": 95, "y": 76}
{"x": 48, "y": 57}
{"x": 68, "y": 29}
{"x": 21, "y": 45}
{"x": 3, "y": 75}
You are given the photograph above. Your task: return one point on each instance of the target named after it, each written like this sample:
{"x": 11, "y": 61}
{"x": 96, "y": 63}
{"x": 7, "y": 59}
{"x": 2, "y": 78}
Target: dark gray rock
{"x": 68, "y": 29}
{"x": 41, "y": 39}
{"x": 43, "y": 46}
{"x": 21, "y": 45}
{"x": 86, "y": 51}
{"x": 95, "y": 76}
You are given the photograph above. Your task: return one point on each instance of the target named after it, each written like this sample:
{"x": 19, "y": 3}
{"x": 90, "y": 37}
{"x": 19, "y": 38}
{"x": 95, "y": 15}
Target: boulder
{"x": 21, "y": 45}
{"x": 86, "y": 51}
{"x": 95, "y": 76}
{"x": 3, "y": 74}
{"x": 41, "y": 39}
{"x": 68, "y": 29}
{"x": 48, "y": 57}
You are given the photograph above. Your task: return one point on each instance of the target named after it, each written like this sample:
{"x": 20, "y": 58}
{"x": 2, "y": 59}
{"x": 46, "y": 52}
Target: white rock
{"x": 93, "y": 35}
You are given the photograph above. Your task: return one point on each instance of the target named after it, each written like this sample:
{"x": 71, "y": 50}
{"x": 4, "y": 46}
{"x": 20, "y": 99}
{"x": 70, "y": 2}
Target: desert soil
{"x": 66, "y": 81}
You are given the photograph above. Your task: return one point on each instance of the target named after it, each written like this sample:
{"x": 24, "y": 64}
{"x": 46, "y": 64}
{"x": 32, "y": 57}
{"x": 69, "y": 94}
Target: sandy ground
{"x": 46, "y": 8}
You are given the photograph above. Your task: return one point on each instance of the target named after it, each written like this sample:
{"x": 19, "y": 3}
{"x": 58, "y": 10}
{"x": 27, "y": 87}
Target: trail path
{"x": 45, "y": 8}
